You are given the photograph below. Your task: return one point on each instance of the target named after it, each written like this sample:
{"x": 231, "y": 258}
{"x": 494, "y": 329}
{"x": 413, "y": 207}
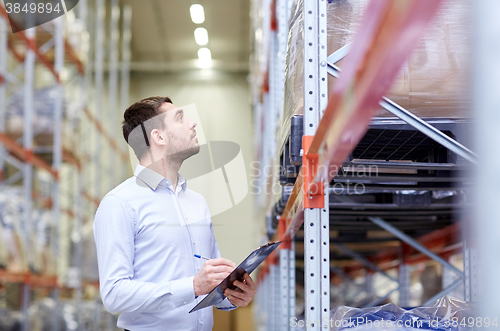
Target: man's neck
{"x": 165, "y": 168}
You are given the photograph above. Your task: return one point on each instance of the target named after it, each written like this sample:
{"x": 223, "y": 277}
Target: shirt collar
{"x": 154, "y": 179}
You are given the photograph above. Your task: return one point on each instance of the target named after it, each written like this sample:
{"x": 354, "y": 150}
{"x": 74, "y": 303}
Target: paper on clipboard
{"x": 253, "y": 260}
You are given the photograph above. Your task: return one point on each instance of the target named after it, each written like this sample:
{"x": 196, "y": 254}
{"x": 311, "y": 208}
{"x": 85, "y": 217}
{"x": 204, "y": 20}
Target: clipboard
{"x": 253, "y": 260}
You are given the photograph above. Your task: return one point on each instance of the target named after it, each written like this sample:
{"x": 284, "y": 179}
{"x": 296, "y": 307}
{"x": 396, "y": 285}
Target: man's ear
{"x": 157, "y": 137}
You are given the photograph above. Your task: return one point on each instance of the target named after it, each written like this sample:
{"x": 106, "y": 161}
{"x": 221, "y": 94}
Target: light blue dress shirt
{"x": 146, "y": 236}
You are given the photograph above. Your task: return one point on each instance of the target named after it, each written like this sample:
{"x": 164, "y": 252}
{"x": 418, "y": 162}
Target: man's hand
{"x": 211, "y": 274}
{"x": 244, "y": 293}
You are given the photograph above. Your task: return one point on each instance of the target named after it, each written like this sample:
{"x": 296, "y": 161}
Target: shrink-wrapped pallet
{"x": 44, "y": 103}
{"x": 432, "y": 82}
{"x": 16, "y": 257}
{"x": 11, "y": 213}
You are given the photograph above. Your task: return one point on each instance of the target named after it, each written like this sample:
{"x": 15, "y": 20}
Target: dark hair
{"x": 139, "y": 120}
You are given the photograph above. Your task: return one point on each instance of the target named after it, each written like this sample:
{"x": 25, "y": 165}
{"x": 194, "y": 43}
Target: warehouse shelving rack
{"x": 268, "y": 96}
{"x": 486, "y": 101}
{"x": 337, "y": 129}
{"x": 25, "y": 156}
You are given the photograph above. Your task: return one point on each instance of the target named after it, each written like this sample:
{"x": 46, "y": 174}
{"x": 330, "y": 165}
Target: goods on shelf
{"x": 293, "y": 103}
{"x": 42, "y": 221}
{"x": 445, "y": 314}
{"x": 10, "y": 321}
{"x": 13, "y": 237}
{"x": 89, "y": 264}
{"x": 40, "y": 315}
{"x": 432, "y": 82}
{"x": 77, "y": 35}
{"x": 44, "y": 100}
{"x": 11, "y": 205}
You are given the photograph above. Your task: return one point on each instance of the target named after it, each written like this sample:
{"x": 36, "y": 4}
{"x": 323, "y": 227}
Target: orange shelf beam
{"x": 93, "y": 200}
{"x": 26, "y": 155}
{"x": 74, "y": 57}
{"x": 31, "y": 279}
{"x": 70, "y": 157}
{"x": 31, "y": 45}
{"x": 38, "y": 281}
{"x": 112, "y": 142}
{"x": 444, "y": 242}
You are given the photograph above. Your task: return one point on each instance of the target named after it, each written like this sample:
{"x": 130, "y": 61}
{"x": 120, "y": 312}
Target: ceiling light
{"x": 204, "y": 57}
{"x": 197, "y": 14}
{"x": 201, "y": 36}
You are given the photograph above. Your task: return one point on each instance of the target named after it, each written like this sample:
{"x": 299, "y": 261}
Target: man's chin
{"x": 196, "y": 150}
{"x": 185, "y": 154}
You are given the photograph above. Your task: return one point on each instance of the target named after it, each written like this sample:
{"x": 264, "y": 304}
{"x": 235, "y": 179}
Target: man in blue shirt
{"x": 148, "y": 229}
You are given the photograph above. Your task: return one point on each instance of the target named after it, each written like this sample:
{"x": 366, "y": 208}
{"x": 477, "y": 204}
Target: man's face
{"x": 179, "y": 133}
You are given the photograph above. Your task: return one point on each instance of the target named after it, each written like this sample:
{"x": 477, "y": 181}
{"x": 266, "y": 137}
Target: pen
{"x": 201, "y": 257}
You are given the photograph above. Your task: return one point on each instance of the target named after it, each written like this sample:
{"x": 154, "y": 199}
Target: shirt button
{"x": 201, "y": 322}
{"x": 185, "y": 302}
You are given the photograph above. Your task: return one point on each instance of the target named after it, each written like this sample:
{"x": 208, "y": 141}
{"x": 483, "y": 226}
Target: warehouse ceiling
{"x": 163, "y": 34}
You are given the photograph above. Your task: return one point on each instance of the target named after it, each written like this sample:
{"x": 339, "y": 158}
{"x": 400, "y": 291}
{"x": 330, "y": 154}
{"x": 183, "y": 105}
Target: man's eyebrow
{"x": 179, "y": 111}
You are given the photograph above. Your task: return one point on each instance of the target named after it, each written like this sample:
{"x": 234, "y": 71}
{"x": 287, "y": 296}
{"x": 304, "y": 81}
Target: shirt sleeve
{"x": 114, "y": 232}
{"x": 225, "y": 304}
